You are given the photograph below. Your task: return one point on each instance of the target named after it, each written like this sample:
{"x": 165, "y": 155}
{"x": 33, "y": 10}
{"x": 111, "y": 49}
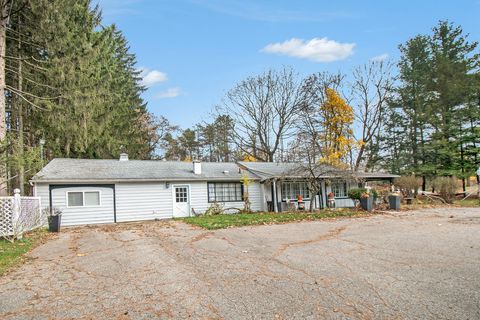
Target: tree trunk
{"x": 3, "y": 127}
{"x": 463, "y": 168}
{"x": 422, "y": 144}
{"x": 312, "y": 200}
{"x": 359, "y": 157}
{"x": 20, "y": 142}
{"x": 20, "y": 146}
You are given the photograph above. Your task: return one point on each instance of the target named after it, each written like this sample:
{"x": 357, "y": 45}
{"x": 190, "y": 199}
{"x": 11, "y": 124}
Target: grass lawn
{"x": 11, "y": 254}
{"x": 423, "y": 202}
{"x": 467, "y": 202}
{"x": 248, "y": 219}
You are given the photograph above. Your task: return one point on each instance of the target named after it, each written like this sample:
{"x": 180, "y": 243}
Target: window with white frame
{"x": 83, "y": 198}
{"x": 339, "y": 189}
{"x": 225, "y": 192}
{"x": 292, "y": 189}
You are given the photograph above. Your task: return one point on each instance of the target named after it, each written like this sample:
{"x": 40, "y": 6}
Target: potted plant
{"x": 394, "y": 201}
{"x": 331, "y": 200}
{"x": 300, "y": 204}
{"x": 366, "y": 201}
{"x": 54, "y": 219}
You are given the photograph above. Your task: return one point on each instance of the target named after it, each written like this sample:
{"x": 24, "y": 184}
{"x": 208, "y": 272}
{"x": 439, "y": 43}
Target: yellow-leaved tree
{"x": 249, "y": 158}
{"x": 246, "y": 196}
{"x": 337, "y": 135}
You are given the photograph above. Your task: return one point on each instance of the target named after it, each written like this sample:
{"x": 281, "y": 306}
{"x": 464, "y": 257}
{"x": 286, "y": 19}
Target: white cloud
{"x": 151, "y": 77}
{"x": 318, "y": 50}
{"x": 381, "y": 57}
{"x": 169, "y": 93}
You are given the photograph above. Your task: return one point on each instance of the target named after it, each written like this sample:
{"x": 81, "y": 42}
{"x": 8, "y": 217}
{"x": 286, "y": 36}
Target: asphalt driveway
{"x": 415, "y": 265}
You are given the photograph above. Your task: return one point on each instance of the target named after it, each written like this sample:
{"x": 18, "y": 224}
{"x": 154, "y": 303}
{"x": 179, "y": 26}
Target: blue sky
{"x": 193, "y": 51}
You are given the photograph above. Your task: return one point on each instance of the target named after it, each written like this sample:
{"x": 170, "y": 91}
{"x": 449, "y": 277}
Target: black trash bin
{"x": 54, "y": 223}
{"x": 394, "y": 202}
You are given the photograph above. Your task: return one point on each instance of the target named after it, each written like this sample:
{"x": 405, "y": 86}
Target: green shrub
{"x": 408, "y": 185}
{"x": 215, "y": 209}
{"x": 356, "y": 193}
{"x": 446, "y": 187}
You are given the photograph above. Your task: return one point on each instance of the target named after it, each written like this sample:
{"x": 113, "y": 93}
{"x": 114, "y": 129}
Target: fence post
{"x": 17, "y": 202}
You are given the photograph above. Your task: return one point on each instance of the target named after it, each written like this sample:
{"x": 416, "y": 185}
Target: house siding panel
{"x": 143, "y": 201}
{"x": 79, "y": 215}
{"x": 148, "y": 201}
{"x": 83, "y": 215}
{"x": 137, "y": 201}
{"x": 41, "y": 190}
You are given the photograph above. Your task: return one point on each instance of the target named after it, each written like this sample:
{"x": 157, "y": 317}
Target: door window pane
{"x": 181, "y": 194}
{"x": 92, "y": 198}
{"x": 75, "y": 199}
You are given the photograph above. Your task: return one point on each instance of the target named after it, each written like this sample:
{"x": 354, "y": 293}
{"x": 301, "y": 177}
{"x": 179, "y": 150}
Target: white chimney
{"x": 197, "y": 167}
{"x": 123, "y": 156}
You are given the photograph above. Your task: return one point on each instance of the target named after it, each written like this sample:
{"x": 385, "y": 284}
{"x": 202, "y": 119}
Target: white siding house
{"x": 108, "y": 191}
{"x": 91, "y": 191}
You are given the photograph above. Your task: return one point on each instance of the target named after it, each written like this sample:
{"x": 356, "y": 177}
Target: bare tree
{"x": 264, "y": 109}
{"x": 371, "y": 87}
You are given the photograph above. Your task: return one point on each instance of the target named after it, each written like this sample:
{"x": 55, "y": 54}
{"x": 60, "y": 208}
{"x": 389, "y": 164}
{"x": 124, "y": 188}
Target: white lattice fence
{"x": 19, "y": 214}
{"x": 6, "y": 214}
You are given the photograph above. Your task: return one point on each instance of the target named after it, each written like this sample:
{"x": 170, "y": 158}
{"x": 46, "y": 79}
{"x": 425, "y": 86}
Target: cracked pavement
{"x": 421, "y": 264}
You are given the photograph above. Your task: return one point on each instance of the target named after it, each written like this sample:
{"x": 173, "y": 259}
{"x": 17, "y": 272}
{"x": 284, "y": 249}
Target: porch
{"x": 281, "y": 195}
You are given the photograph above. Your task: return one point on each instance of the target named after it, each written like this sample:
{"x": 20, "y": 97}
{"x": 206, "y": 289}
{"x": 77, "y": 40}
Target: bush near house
{"x": 408, "y": 185}
{"x": 446, "y": 187}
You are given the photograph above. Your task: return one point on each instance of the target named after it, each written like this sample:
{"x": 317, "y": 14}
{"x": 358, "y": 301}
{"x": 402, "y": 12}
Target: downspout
{"x": 274, "y": 196}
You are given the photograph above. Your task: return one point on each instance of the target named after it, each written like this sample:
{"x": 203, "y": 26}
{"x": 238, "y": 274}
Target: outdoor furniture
{"x": 290, "y": 206}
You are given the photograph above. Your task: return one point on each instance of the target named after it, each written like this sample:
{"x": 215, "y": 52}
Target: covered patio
{"x": 283, "y": 183}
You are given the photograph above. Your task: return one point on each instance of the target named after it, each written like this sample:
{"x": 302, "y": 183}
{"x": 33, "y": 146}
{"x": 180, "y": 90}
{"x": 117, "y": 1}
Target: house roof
{"x": 268, "y": 170}
{"x": 92, "y": 170}
{"x": 85, "y": 170}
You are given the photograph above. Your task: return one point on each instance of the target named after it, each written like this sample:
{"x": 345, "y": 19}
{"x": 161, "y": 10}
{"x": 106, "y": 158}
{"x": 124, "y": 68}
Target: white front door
{"x": 181, "y": 201}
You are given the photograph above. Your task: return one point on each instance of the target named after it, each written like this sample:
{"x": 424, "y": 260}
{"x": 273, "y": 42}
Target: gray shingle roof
{"x": 267, "y": 170}
{"x": 149, "y": 170}
{"x": 84, "y": 170}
